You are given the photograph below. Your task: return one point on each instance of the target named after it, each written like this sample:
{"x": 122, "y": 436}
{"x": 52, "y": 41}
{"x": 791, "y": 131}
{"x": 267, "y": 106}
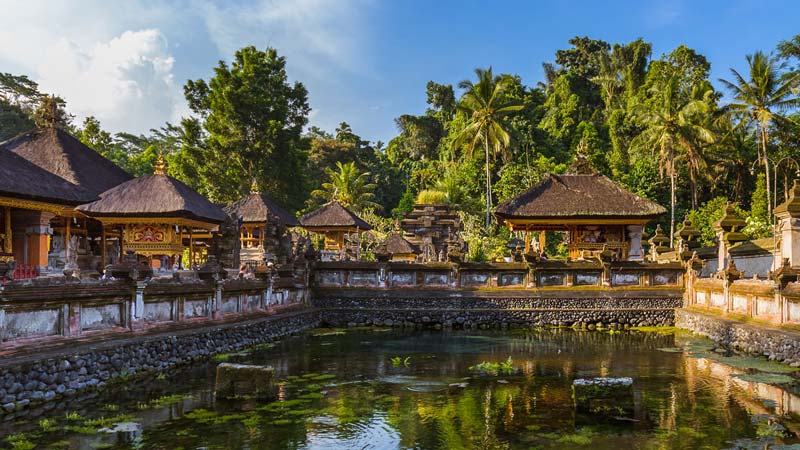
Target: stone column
{"x": 37, "y": 234}
{"x": 722, "y": 251}
{"x": 635, "y": 252}
{"x": 137, "y": 306}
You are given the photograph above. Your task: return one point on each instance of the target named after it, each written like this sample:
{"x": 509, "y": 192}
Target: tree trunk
{"x": 488, "y": 182}
{"x": 671, "y": 197}
{"x": 766, "y": 171}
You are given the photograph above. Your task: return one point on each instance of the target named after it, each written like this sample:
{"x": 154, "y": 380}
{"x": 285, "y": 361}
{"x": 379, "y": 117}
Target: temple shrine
{"x": 158, "y": 218}
{"x": 264, "y": 232}
{"x": 432, "y": 229}
{"x": 595, "y": 213}
{"x": 340, "y": 228}
{"x": 49, "y": 172}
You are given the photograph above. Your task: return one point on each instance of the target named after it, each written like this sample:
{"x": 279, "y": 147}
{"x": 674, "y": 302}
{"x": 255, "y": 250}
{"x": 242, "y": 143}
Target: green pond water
{"x": 390, "y": 389}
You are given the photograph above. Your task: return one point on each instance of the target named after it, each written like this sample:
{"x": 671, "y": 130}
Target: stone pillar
{"x": 722, "y": 251}
{"x": 216, "y": 300}
{"x": 137, "y": 306}
{"x": 37, "y": 235}
{"x": 635, "y": 252}
{"x": 789, "y": 228}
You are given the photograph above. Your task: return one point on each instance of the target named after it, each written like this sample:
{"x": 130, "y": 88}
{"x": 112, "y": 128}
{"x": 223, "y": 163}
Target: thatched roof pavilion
{"x": 263, "y": 231}
{"x": 334, "y": 221}
{"x": 333, "y": 216}
{"x": 60, "y": 153}
{"x": 35, "y": 195}
{"x": 400, "y": 248}
{"x": 595, "y": 211}
{"x": 155, "y": 211}
{"x": 258, "y": 208}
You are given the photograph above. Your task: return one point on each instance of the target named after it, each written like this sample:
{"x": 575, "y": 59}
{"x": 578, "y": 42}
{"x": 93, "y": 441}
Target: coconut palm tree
{"x": 485, "y": 103}
{"x": 669, "y": 126}
{"x": 762, "y": 99}
{"x": 348, "y": 186}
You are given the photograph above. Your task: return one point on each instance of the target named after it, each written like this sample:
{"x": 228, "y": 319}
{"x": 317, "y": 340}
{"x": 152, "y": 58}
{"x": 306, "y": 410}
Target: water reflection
{"x": 341, "y": 390}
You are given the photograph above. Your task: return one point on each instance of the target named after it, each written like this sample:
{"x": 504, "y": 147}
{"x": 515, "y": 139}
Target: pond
{"x": 391, "y": 389}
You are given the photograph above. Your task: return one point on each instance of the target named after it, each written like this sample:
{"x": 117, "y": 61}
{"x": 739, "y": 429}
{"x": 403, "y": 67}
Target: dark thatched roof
{"x": 258, "y": 208}
{"x": 20, "y": 178}
{"x": 154, "y": 196}
{"x": 58, "y": 152}
{"x": 578, "y": 197}
{"x": 333, "y": 215}
{"x": 397, "y": 244}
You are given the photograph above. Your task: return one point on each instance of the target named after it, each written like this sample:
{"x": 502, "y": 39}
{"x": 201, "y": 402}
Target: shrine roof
{"x": 154, "y": 196}
{"x": 397, "y": 244}
{"x": 20, "y": 178}
{"x": 333, "y": 215}
{"x": 578, "y": 196}
{"x": 256, "y": 207}
{"x": 60, "y": 153}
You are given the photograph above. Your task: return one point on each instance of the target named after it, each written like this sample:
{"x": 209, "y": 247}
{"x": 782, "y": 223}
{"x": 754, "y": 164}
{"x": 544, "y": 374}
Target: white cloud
{"x": 316, "y": 34}
{"x": 126, "y": 82}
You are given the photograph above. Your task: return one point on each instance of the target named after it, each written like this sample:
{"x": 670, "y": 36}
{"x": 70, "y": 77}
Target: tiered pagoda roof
{"x": 578, "y": 196}
{"x": 333, "y": 215}
{"x": 60, "y": 153}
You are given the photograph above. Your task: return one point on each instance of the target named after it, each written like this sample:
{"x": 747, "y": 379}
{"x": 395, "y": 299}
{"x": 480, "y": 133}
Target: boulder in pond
{"x": 248, "y": 381}
{"x": 603, "y": 395}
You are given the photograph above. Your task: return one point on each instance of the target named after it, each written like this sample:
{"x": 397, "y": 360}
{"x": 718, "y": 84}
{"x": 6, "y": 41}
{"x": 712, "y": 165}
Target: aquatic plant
{"x": 47, "y": 425}
{"x": 73, "y": 416}
{"x": 487, "y": 368}
{"x": 161, "y": 376}
{"x": 20, "y": 442}
{"x": 397, "y": 361}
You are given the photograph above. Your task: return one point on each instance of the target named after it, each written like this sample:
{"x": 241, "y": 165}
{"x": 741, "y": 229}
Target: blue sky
{"x": 364, "y": 62}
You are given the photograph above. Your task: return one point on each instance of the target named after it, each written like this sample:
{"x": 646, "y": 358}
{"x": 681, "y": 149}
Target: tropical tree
{"x": 348, "y": 186}
{"x": 485, "y": 103}
{"x": 671, "y": 125}
{"x": 762, "y": 99}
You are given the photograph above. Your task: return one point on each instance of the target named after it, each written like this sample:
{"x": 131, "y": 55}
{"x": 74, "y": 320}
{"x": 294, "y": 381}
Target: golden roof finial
{"x": 161, "y": 166}
{"x": 254, "y": 187}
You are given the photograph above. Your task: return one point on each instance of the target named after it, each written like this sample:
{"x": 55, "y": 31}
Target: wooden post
{"x": 67, "y": 234}
{"x": 542, "y": 241}
{"x": 7, "y": 246}
{"x": 191, "y": 249}
{"x": 102, "y": 247}
{"x": 527, "y": 241}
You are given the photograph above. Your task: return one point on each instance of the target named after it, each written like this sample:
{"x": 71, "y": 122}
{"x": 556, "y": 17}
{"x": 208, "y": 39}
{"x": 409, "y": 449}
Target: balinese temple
{"x": 52, "y": 238}
{"x": 431, "y": 228}
{"x": 264, "y": 232}
{"x": 595, "y": 212}
{"x": 158, "y": 217}
{"x": 340, "y": 227}
{"x": 29, "y": 197}
{"x": 399, "y": 248}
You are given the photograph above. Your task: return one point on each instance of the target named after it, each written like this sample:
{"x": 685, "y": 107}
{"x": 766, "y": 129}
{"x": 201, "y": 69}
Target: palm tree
{"x": 349, "y": 187}
{"x": 761, "y": 100}
{"x": 609, "y": 78}
{"x": 485, "y": 104}
{"x": 670, "y": 126}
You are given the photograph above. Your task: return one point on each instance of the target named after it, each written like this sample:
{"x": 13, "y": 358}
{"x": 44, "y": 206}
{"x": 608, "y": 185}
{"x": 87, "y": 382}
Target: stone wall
{"x": 775, "y": 344}
{"x": 43, "y": 382}
{"x": 52, "y": 308}
{"x": 490, "y": 309}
